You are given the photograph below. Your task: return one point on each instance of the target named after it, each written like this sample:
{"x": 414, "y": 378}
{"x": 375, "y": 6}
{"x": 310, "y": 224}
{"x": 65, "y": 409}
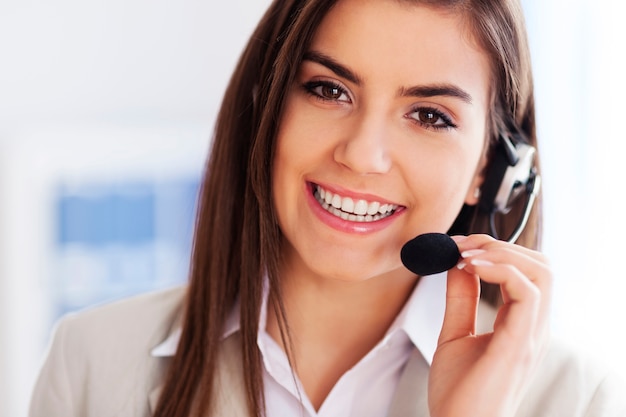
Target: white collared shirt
{"x": 366, "y": 389}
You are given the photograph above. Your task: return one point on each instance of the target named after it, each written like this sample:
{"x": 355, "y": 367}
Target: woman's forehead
{"x": 408, "y": 42}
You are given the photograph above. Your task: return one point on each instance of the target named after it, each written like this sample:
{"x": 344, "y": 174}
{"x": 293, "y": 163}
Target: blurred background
{"x": 106, "y": 113}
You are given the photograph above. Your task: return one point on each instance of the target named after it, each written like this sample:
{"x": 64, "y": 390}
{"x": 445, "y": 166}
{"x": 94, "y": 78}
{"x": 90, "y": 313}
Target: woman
{"x": 349, "y": 127}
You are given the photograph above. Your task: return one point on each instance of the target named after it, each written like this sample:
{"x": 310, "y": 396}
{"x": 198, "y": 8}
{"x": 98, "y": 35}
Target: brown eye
{"x": 428, "y": 117}
{"x": 431, "y": 118}
{"x": 327, "y": 91}
{"x": 331, "y": 92}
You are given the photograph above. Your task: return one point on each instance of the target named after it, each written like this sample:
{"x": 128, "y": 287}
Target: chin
{"x": 366, "y": 271}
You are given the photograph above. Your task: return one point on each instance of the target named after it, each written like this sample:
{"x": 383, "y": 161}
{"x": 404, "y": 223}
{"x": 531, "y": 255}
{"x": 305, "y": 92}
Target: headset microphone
{"x": 430, "y": 253}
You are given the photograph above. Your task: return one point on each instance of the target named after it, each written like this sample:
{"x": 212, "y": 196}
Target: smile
{"x": 352, "y": 210}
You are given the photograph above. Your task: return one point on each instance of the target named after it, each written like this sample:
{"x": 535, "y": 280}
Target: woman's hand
{"x": 486, "y": 375}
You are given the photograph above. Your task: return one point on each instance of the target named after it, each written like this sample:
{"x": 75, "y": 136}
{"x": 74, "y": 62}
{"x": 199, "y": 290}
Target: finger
{"x": 482, "y": 241}
{"x": 462, "y": 297}
{"x": 529, "y": 266}
{"x": 524, "y": 298}
{"x": 533, "y": 267}
{"x": 531, "y": 263}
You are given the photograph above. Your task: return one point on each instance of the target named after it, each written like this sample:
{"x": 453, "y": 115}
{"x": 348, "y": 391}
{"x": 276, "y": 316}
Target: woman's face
{"x": 381, "y": 139}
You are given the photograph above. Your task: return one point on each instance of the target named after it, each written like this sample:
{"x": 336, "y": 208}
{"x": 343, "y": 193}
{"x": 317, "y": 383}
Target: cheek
{"x": 290, "y": 162}
{"x": 439, "y": 178}
{"x": 280, "y": 175}
{"x": 444, "y": 169}
{"x": 292, "y": 139}
{"x": 285, "y": 141}
{"x": 304, "y": 142}
{"x": 443, "y": 181}
{"x": 281, "y": 192}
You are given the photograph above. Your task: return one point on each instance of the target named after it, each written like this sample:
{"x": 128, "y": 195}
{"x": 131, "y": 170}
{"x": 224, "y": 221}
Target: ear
{"x": 474, "y": 191}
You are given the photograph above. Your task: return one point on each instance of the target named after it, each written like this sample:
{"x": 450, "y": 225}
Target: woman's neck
{"x": 333, "y": 324}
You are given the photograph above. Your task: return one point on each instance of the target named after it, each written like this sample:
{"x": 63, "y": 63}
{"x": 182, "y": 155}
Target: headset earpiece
{"x": 508, "y": 174}
{"x": 511, "y": 173}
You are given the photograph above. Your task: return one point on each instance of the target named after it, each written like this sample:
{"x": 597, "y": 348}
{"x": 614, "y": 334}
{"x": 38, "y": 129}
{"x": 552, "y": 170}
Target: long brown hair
{"x": 237, "y": 239}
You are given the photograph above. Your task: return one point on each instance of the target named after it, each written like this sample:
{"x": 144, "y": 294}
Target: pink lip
{"x": 346, "y": 225}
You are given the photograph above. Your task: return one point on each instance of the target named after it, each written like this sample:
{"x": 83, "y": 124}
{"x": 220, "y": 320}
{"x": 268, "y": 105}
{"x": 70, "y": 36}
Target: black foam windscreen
{"x": 430, "y": 253}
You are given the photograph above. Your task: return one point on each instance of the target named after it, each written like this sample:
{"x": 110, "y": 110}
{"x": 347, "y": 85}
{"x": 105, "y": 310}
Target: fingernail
{"x": 458, "y": 238}
{"x": 480, "y": 262}
{"x": 473, "y": 252}
{"x": 461, "y": 265}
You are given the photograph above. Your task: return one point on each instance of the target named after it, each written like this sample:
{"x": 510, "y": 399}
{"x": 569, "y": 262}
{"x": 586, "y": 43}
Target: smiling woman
{"x": 320, "y": 172}
{"x": 354, "y": 127}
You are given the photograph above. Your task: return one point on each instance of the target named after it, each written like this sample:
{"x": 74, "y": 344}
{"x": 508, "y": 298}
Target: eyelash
{"x": 438, "y": 114}
{"x": 311, "y": 86}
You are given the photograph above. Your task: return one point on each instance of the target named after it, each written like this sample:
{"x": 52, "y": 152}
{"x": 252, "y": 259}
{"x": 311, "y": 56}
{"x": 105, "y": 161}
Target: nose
{"x": 364, "y": 150}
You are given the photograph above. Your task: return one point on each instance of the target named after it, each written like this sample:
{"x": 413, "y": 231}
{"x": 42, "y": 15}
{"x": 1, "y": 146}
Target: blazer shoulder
{"x": 132, "y": 321}
{"x": 147, "y": 307}
{"x": 567, "y": 382}
{"x": 573, "y": 383}
{"x": 99, "y": 361}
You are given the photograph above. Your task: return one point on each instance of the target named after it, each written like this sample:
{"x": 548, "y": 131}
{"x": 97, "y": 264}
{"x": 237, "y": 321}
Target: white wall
{"x": 579, "y": 63}
{"x": 95, "y": 89}
{"x": 114, "y": 60}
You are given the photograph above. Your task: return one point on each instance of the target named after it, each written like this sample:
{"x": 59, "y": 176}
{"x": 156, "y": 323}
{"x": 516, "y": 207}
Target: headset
{"x": 511, "y": 173}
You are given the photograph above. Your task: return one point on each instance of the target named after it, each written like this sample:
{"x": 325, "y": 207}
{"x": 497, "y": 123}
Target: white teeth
{"x": 355, "y": 211}
{"x": 361, "y": 207}
{"x": 373, "y": 208}
{"x": 347, "y": 205}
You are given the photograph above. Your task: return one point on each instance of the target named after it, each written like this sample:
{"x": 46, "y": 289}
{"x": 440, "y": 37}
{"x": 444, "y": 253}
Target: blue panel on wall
{"x": 116, "y": 240}
{"x": 103, "y": 215}
{"x": 133, "y": 219}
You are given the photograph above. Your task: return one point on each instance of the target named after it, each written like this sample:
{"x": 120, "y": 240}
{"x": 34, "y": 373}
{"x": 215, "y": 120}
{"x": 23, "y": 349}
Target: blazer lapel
{"x": 159, "y": 370}
{"x": 411, "y": 396}
{"x": 229, "y": 392}
{"x": 153, "y": 398}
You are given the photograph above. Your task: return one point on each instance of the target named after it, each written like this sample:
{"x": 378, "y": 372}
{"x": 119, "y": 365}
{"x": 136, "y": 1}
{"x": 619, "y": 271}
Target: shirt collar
{"x": 421, "y": 318}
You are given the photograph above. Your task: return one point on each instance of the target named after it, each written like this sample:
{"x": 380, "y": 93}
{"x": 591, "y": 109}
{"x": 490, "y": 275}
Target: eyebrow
{"x": 435, "y": 90}
{"x": 420, "y": 91}
{"x": 333, "y": 65}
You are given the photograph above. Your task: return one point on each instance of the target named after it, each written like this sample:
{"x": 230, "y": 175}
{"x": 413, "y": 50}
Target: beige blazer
{"x": 100, "y": 365}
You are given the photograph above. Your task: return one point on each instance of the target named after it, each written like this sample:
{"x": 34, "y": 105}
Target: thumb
{"x": 462, "y": 297}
